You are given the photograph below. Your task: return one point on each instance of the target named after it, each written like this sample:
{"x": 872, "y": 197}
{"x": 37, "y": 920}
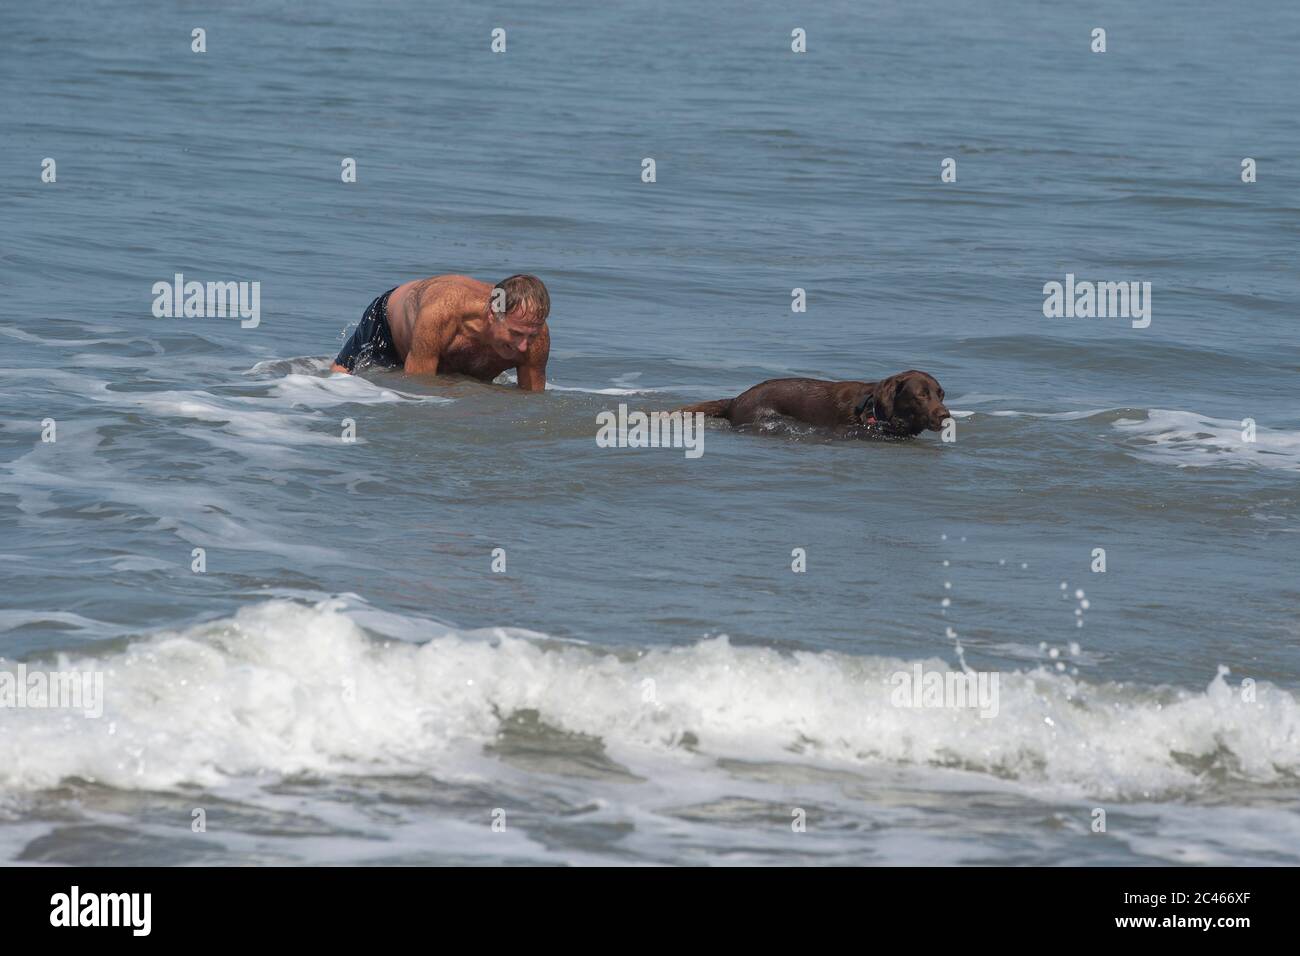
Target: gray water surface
{"x": 348, "y": 680}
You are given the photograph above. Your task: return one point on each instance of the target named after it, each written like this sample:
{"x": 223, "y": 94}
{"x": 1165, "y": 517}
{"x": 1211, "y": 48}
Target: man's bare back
{"x": 455, "y": 324}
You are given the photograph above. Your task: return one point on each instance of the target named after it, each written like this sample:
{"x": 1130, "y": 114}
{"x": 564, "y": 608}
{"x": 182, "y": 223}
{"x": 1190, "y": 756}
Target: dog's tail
{"x": 718, "y": 409}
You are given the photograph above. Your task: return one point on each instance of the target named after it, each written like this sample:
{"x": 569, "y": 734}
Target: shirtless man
{"x": 456, "y": 325}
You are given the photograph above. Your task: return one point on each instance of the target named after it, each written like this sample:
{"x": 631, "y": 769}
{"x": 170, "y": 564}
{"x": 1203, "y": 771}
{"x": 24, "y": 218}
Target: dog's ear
{"x": 862, "y": 404}
{"x": 885, "y": 393}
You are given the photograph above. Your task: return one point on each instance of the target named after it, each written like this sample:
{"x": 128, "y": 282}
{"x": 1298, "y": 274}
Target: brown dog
{"x": 904, "y": 404}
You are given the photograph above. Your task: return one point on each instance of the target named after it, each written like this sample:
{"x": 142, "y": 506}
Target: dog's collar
{"x": 868, "y": 399}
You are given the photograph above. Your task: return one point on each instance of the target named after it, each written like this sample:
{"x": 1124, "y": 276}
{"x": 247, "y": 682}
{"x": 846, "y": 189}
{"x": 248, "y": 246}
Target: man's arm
{"x": 429, "y": 334}
{"x": 420, "y": 364}
{"x": 532, "y": 370}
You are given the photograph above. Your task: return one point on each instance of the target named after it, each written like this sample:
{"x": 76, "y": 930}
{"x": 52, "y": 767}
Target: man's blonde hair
{"x": 525, "y": 290}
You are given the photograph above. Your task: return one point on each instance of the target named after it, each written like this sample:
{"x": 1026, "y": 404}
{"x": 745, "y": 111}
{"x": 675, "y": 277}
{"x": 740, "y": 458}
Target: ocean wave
{"x": 1198, "y": 441}
{"x": 287, "y": 688}
{"x": 550, "y": 387}
{"x": 1187, "y": 439}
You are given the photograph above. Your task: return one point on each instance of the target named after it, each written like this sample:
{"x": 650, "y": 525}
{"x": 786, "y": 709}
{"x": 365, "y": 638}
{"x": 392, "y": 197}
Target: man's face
{"x": 510, "y": 336}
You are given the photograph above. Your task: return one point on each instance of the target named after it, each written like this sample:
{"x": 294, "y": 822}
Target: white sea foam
{"x": 1198, "y": 441}
{"x": 275, "y": 367}
{"x": 246, "y": 417}
{"x": 287, "y": 688}
{"x": 314, "y": 391}
{"x": 550, "y": 387}
{"x": 288, "y": 427}
{"x": 198, "y": 514}
{"x": 1189, "y": 439}
{"x": 1052, "y": 416}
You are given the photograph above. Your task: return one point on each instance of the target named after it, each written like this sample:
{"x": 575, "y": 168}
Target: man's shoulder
{"x": 445, "y": 297}
{"x": 453, "y": 283}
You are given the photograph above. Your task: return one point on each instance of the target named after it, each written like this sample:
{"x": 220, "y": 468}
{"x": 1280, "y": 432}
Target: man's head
{"x": 516, "y": 313}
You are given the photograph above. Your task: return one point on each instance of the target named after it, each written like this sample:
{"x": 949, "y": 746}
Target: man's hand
{"x": 532, "y": 379}
{"x": 532, "y": 371}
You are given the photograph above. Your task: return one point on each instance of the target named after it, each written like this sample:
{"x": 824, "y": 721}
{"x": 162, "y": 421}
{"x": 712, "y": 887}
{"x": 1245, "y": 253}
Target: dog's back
{"x": 810, "y": 400}
{"x": 904, "y": 404}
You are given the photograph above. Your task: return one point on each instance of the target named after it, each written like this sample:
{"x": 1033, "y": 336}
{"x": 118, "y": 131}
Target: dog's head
{"x": 908, "y": 403}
